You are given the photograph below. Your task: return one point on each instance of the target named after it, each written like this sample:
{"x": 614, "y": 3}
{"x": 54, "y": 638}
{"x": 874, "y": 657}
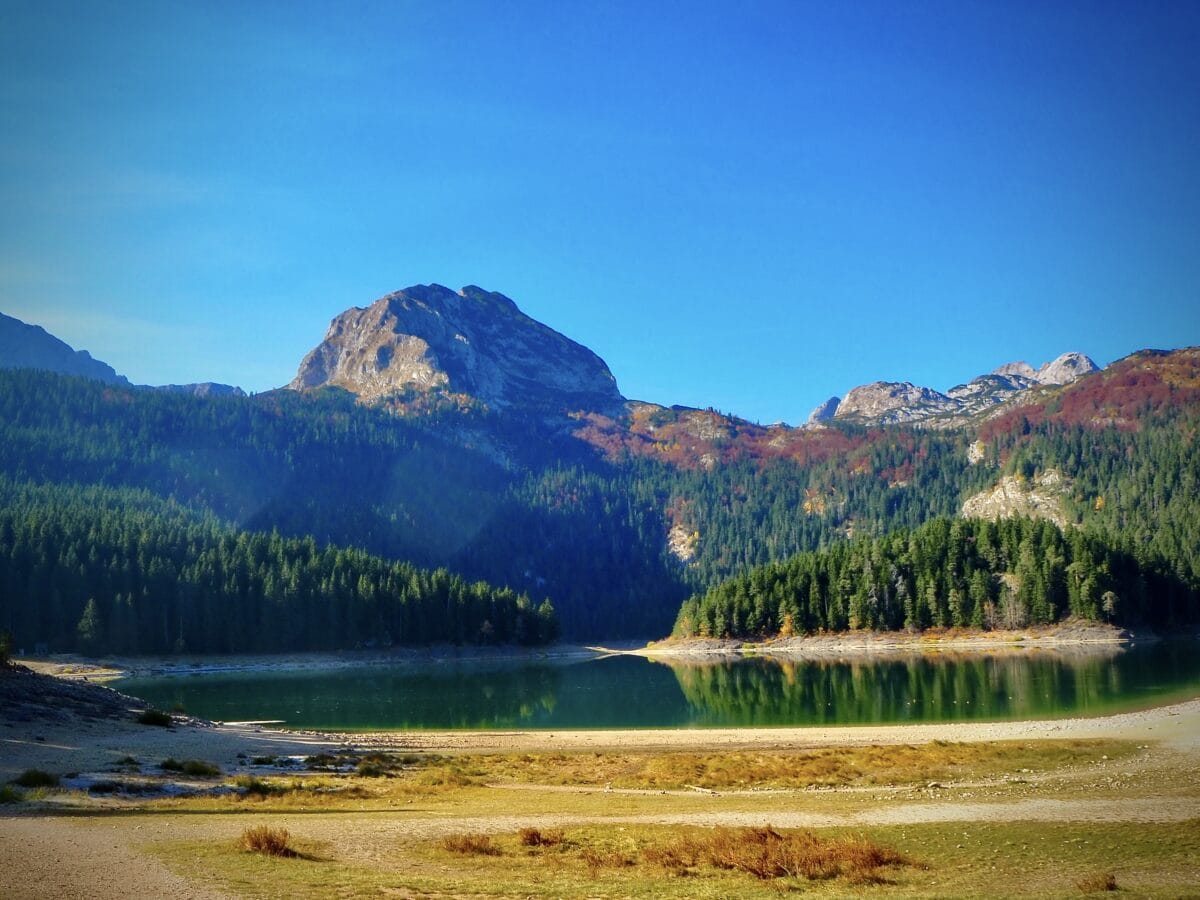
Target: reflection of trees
{"x": 452, "y": 697}
{"x": 916, "y": 687}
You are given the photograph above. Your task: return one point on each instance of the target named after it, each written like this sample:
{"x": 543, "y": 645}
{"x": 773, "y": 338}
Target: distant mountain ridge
{"x": 25, "y": 346}
{"x": 890, "y": 403}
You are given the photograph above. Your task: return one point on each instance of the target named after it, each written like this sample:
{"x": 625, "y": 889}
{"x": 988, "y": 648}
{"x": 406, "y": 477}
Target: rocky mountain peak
{"x": 1066, "y": 368}
{"x": 825, "y": 411}
{"x": 1063, "y": 370}
{"x": 890, "y": 402}
{"x": 1021, "y": 369}
{"x": 471, "y": 342}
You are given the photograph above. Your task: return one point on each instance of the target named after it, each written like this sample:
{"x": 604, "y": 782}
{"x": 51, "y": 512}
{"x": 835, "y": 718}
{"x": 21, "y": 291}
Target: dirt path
{"x": 89, "y": 860}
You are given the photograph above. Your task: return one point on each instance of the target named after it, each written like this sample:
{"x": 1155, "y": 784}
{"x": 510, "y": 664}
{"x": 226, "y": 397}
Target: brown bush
{"x": 766, "y": 853}
{"x": 471, "y": 845}
{"x": 534, "y": 837}
{"x": 267, "y": 840}
{"x": 1097, "y": 882}
{"x": 609, "y": 859}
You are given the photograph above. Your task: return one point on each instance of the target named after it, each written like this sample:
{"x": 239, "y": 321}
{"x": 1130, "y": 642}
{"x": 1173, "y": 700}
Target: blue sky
{"x": 751, "y": 206}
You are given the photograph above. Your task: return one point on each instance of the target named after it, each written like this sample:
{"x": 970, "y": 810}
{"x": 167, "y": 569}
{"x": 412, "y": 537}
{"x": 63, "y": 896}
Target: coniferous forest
{"x": 119, "y": 570}
{"x": 947, "y": 573}
{"x": 144, "y": 521}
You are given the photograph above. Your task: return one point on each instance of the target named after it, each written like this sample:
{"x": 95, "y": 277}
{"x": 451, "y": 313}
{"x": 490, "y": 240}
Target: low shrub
{"x": 198, "y": 768}
{"x": 257, "y": 787}
{"x": 195, "y": 767}
{"x": 534, "y": 837}
{"x": 152, "y": 716}
{"x": 605, "y": 859}
{"x": 9, "y": 794}
{"x": 1097, "y": 882}
{"x": 267, "y": 840}
{"x": 36, "y": 778}
{"x": 470, "y": 845}
{"x": 766, "y": 853}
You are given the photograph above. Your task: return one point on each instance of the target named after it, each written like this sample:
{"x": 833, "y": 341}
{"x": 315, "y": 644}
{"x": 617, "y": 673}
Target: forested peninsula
{"x": 947, "y": 573}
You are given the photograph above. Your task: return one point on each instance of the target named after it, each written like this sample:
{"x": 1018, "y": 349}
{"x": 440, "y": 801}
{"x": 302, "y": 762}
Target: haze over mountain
{"x": 25, "y": 346}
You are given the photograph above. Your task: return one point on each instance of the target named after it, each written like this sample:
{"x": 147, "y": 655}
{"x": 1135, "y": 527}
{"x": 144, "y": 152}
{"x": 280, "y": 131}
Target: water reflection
{"x": 631, "y": 692}
{"x": 902, "y": 688}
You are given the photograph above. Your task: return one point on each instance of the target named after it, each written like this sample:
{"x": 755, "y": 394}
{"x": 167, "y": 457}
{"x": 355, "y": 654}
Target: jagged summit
{"x": 1066, "y": 369}
{"x": 885, "y": 402}
{"x": 890, "y": 402}
{"x": 824, "y": 411}
{"x": 473, "y": 343}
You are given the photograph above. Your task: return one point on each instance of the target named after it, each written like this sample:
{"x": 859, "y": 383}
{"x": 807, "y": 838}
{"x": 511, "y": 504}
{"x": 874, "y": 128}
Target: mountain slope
{"x": 471, "y": 344}
{"x": 24, "y": 346}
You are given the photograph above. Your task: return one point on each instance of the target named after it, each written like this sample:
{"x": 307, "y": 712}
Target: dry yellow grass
{"x": 767, "y": 853}
{"x": 267, "y": 840}
{"x": 854, "y": 765}
{"x": 472, "y": 844}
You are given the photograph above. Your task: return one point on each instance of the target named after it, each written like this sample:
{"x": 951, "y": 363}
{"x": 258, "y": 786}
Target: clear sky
{"x": 743, "y": 205}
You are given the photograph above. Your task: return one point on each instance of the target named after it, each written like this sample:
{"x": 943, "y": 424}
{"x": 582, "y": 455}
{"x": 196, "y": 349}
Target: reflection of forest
{"x": 912, "y": 687}
{"x": 460, "y": 697}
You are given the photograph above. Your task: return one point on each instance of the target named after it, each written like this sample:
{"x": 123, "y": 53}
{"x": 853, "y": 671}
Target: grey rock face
{"x": 1067, "y": 368}
{"x": 1022, "y": 369}
{"x": 1012, "y": 496}
{"x": 24, "y": 346}
{"x": 889, "y": 402}
{"x": 429, "y": 338}
{"x": 825, "y": 411}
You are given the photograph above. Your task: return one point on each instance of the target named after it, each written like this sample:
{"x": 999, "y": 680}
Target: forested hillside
{"x": 117, "y": 570}
{"x": 947, "y": 573}
{"x": 321, "y": 465}
{"x": 585, "y": 523}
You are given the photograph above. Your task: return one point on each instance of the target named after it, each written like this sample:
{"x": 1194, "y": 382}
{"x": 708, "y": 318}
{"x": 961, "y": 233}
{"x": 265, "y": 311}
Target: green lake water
{"x": 632, "y": 692}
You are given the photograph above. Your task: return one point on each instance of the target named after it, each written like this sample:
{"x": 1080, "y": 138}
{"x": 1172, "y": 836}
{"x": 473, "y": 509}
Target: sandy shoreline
{"x": 111, "y": 668}
{"x": 1070, "y": 634}
{"x": 1067, "y": 636}
{"x": 82, "y": 743}
{"x": 1177, "y": 724}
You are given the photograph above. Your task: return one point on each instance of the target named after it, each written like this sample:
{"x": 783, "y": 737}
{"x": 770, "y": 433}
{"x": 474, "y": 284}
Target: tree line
{"x": 509, "y": 504}
{"x": 946, "y": 573}
{"x": 111, "y": 570}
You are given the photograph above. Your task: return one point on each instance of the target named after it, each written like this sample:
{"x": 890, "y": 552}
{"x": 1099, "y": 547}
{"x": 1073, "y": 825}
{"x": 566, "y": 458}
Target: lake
{"x": 633, "y": 692}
